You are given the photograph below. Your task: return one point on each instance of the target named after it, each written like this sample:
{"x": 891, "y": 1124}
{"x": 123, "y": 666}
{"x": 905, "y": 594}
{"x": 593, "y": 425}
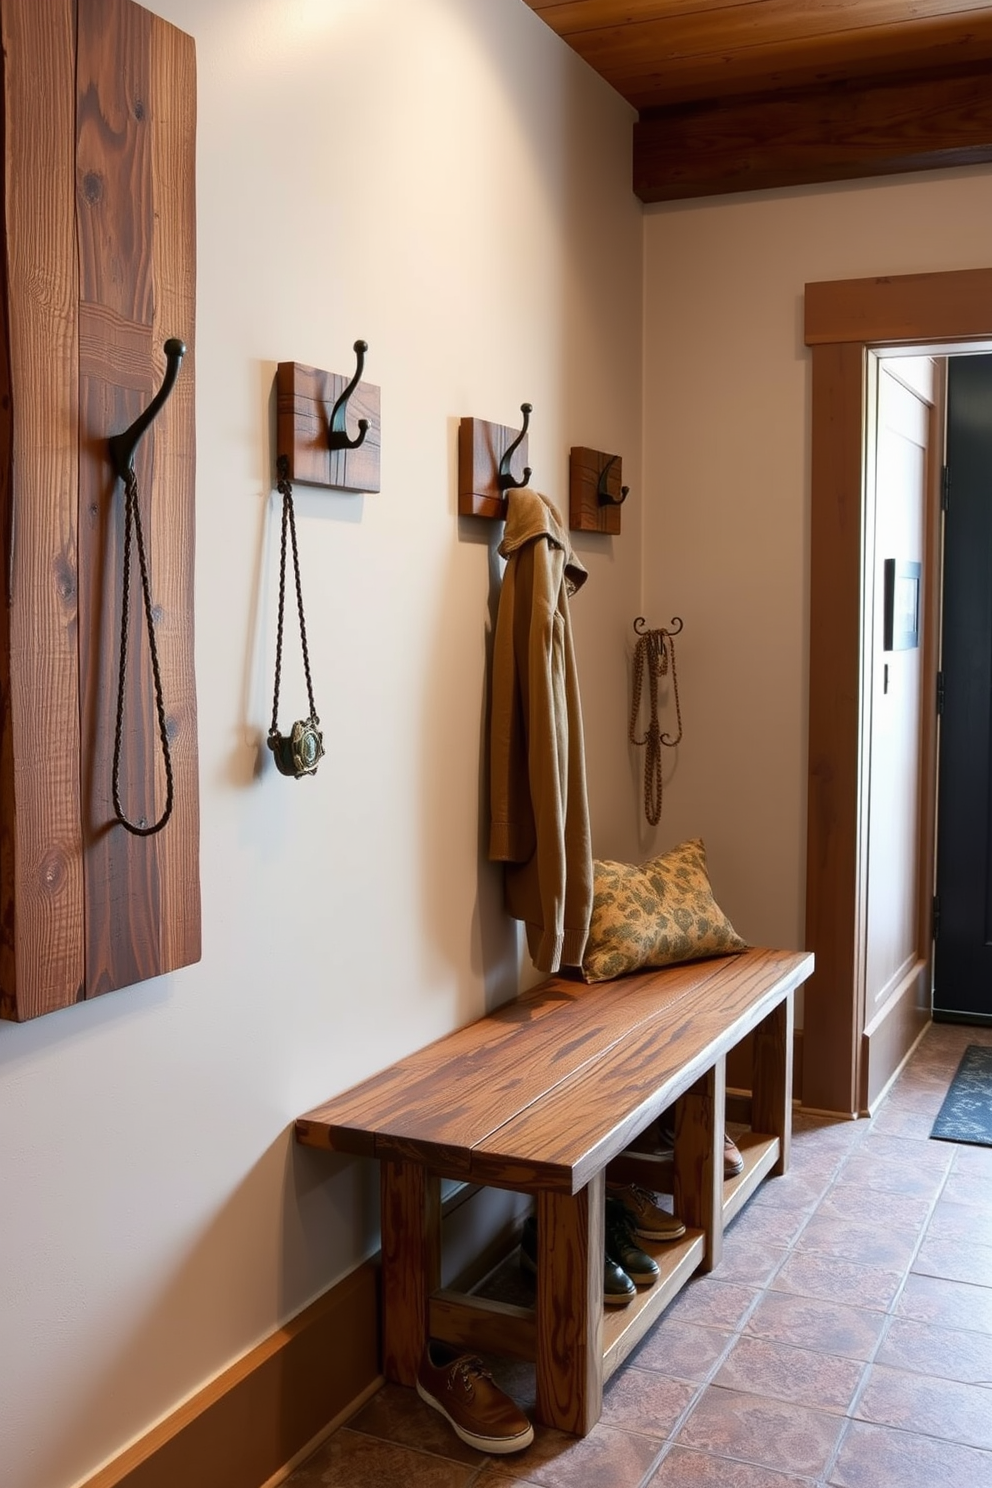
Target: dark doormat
{"x": 966, "y": 1115}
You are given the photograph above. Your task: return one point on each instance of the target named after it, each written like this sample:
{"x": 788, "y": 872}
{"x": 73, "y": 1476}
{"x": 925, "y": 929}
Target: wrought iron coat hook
{"x": 504, "y": 478}
{"x": 123, "y": 446}
{"x": 337, "y": 434}
{"x": 602, "y": 491}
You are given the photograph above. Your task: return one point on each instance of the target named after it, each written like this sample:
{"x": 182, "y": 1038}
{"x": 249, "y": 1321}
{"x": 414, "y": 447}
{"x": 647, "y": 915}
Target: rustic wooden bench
{"x": 539, "y": 1097}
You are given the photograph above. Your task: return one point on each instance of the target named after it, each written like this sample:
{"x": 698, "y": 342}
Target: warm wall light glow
{"x": 273, "y": 32}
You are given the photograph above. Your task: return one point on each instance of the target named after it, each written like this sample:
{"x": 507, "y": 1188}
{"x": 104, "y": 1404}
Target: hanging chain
{"x": 651, "y": 655}
{"x": 301, "y": 753}
{"x": 132, "y": 522}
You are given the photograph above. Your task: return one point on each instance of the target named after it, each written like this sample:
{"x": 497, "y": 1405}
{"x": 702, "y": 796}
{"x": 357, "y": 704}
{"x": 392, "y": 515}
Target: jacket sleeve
{"x": 547, "y": 747}
{"x": 511, "y": 819}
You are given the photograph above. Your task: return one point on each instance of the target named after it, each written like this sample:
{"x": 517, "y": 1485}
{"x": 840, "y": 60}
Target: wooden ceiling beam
{"x": 864, "y": 127}
{"x": 657, "y": 52}
{"x": 647, "y": 79}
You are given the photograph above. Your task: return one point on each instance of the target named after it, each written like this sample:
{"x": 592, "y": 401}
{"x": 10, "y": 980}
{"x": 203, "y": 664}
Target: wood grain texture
{"x": 571, "y": 1246}
{"x": 872, "y": 127}
{"x": 833, "y": 883}
{"x": 41, "y": 874}
{"x": 586, "y": 513}
{"x": 483, "y": 1325}
{"x": 305, "y": 399}
{"x": 481, "y": 446}
{"x": 135, "y": 92}
{"x": 658, "y": 53}
{"x": 99, "y": 103}
{"x": 902, "y": 308}
{"x": 539, "y": 1096}
{"x": 546, "y": 1090}
{"x": 411, "y": 1264}
{"x": 698, "y": 1190}
{"x": 771, "y": 1100}
{"x": 563, "y": 1138}
{"x": 460, "y": 1088}
{"x": 761, "y": 1155}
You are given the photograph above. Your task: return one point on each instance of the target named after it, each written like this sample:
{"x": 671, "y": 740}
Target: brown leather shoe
{"x": 463, "y": 1390}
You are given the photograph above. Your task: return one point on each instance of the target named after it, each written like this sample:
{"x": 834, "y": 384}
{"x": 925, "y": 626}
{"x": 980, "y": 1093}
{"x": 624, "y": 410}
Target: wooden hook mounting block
{"x": 595, "y": 492}
{"x": 481, "y": 447}
{"x": 305, "y": 398}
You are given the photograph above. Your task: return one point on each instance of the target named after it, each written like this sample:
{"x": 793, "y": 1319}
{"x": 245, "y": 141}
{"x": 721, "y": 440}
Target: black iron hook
{"x": 123, "y": 446}
{"x": 337, "y": 434}
{"x": 602, "y": 492}
{"x": 674, "y": 627}
{"x": 504, "y": 479}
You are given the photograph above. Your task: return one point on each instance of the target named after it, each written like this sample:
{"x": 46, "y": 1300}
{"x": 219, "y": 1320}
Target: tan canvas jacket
{"x": 539, "y": 808}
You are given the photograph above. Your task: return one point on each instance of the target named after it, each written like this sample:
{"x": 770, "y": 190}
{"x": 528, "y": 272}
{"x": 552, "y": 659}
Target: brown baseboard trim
{"x": 258, "y": 1419}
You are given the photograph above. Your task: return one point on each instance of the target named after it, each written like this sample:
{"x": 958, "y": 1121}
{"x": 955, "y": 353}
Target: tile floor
{"x": 844, "y": 1340}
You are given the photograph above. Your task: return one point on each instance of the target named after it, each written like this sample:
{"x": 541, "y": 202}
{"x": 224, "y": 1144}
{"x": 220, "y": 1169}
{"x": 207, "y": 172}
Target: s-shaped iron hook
{"x": 337, "y": 434}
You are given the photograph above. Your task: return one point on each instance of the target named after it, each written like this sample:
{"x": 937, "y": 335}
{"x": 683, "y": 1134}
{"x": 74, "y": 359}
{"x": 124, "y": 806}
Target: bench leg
{"x": 771, "y": 1105}
{"x": 571, "y": 1251}
{"x": 698, "y": 1186}
{"x": 411, "y": 1263}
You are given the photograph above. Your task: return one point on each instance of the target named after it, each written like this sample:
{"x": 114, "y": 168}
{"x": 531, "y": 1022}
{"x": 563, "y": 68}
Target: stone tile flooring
{"x": 844, "y": 1340}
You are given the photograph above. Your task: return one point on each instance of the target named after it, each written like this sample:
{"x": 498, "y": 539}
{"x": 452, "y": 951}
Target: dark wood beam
{"x": 843, "y": 131}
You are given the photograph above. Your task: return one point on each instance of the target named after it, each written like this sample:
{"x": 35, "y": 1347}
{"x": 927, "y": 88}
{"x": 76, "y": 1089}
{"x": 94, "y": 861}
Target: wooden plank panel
{"x": 586, "y": 1121}
{"x": 906, "y": 307}
{"x": 41, "y": 880}
{"x": 832, "y": 999}
{"x": 776, "y": 44}
{"x": 483, "y": 1325}
{"x": 411, "y": 1264}
{"x": 771, "y": 1081}
{"x": 461, "y": 1087}
{"x": 624, "y": 1327}
{"x": 570, "y": 18}
{"x": 172, "y": 529}
{"x": 571, "y": 1246}
{"x": 823, "y": 134}
{"x": 698, "y": 1191}
{"x": 135, "y": 101}
{"x": 305, "y": 399}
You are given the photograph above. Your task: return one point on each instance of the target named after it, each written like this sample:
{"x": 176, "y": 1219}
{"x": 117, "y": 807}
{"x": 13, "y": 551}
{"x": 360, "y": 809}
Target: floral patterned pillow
{"x": 655, "y": 914}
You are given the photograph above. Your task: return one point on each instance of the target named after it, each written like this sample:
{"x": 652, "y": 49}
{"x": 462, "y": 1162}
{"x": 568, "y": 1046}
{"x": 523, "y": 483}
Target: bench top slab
{"x": 545, "y": 1090}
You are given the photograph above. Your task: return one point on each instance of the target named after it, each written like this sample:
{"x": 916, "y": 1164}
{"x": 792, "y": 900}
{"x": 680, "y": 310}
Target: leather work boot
{"x": 465, "y": 1393}
{"x": 620, "y": 1248}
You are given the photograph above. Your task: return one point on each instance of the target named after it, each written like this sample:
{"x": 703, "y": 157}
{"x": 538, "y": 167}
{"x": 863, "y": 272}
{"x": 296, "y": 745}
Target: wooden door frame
{"x": 844, "y": 319}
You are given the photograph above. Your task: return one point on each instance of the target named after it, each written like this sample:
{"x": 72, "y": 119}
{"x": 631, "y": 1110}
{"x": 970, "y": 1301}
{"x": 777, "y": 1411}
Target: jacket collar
{"x": 529, "y": 515}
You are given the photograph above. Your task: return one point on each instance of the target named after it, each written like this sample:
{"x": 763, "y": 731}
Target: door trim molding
{"x": 844, "y": 319}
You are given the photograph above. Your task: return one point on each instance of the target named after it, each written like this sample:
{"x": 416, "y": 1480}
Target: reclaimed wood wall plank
{"x": 41, "y": 877}
{"x": 135, "y": 229}
{"x": 99, "y": 264}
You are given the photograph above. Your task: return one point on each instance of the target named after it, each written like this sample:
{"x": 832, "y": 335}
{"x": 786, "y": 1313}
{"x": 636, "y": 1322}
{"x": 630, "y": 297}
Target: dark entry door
{"x": 963, "y": 950}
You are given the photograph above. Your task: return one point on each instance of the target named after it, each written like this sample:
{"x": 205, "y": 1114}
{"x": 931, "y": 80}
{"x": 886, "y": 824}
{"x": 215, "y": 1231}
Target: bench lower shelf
{"x": 488, "y": 1325}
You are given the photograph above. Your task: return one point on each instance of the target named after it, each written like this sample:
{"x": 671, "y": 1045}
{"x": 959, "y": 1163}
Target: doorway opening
{"x": 850, "y": 1049}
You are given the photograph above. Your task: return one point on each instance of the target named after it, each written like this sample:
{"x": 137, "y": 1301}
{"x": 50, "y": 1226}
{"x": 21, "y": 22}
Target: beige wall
{"x": 446, "y": 180}
{"x": 726, "y": 460}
